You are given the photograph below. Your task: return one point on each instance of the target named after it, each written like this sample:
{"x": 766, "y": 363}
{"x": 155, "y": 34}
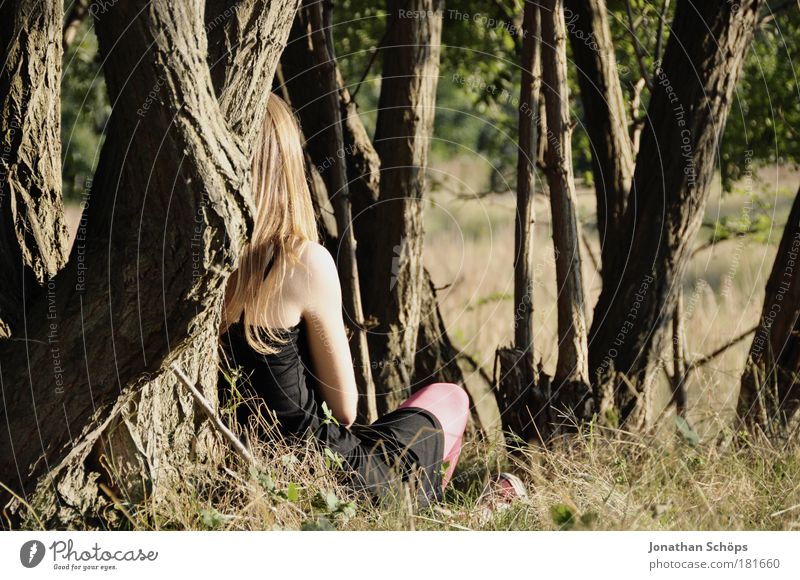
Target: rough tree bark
{"x": 675, "y": 164}
{"x": 770, "y": 394}
{"x": 572, "y": 367}
{"x": 168, "y": 212}
{"x": 517, "y": 373}
{"x": 604, "y": 115}
{"x": 33, "y": 235}
{"x": 406, "y": 108}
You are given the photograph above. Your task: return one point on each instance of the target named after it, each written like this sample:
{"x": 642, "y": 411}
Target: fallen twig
{"x": 215, "y": 420}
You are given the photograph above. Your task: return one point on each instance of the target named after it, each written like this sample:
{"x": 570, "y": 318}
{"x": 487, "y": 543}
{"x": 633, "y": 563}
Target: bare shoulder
{"x": 316, "y": 258}
{"x": 316, "y": 271}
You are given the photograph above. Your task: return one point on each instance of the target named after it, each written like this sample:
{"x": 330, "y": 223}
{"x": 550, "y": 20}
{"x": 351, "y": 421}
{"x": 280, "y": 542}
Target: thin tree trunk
{"x": 404, "y": 126}
{"x": 302, "y": 77}
{"x": 33, "y": 235}
{"x": 308, "y": 64}
{"x": 363, "y": 168}
{"x": 517, "y": 376}
{"x": 436, "y": 358}
{"x": 168, "y": 213}
{"x": 687, "y": 112}
{"x": 73, "y": 21}
{"x": 530, "y": 87}
{"x": 338, "y": 191}
{"x": 770, "y": 394}
{"x": 572, "y": 365}
{"x": 604, "y": 115}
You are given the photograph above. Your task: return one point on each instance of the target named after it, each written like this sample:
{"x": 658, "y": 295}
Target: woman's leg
{"x": 450, "y": 404}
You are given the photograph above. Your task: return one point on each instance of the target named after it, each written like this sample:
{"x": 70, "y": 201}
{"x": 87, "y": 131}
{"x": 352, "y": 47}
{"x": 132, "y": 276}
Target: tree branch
{"x": 33, "y": 235}
{"x": 637, "y": 47}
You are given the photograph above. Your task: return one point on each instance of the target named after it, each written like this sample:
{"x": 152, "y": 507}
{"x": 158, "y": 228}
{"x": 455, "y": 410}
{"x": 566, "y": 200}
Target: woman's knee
{"x": 451, "y": 396}
{"x": 448, "y": 401}
{"x": 456, "y": 394}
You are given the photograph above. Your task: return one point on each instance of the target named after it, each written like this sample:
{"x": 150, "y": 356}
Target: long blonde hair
{"x": 284, "y": 219}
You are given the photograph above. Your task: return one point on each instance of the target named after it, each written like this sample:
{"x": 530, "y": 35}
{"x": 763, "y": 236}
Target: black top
{"x": 410, "y": 440}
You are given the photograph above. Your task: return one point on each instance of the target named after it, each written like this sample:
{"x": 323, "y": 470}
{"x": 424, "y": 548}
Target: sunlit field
{"x": 470, "y": 246}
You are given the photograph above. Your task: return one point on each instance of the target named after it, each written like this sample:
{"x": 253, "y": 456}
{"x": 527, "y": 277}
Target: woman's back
{"x": 303, "y": 291}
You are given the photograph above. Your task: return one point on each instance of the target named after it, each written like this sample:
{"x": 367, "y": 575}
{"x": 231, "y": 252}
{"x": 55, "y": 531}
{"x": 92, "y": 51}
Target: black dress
{"x": 405, "y": 443}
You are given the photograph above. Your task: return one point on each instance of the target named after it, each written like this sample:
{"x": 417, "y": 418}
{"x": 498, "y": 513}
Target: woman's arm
{"x": 330, "y": 350}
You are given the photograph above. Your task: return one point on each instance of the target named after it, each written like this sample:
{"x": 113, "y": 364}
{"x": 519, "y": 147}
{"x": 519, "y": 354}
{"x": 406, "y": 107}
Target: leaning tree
{"x": 90, "y": 407}
{"x": 692, "y": 94}
{"x": 769, "y": 398}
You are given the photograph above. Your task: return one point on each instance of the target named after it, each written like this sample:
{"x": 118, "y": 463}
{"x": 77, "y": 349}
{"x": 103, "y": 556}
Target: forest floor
{"x": 594, "y": 480}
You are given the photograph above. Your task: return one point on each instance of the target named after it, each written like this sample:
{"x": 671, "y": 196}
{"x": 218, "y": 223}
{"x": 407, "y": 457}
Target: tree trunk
{"x": 679, "y": 365}
{"x": 604, "y": 115}
{"x": 517, "y": 375}
{"x": 436, "y": 359}
{"x": 302, "y": 77}
{"x": 310, "y": 63}
{"x": 168, "y": 212}
{"x": 33, "y": 235}
{"x": 675, "y": 164}
{"x": 340, "y": 198}
{"x": 572, "y": 370}
{"x": 530, "y": 87}
{"x": 403, "y": 130}
{"x": 770, "y": 395}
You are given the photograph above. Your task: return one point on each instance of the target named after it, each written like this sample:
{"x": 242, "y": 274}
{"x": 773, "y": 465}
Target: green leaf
{"x": 320, "y": 524}
{"x": 562, "y": 516}
{"x": 331, "y": 501}
{"x": 692, "y": 439}
{"x": 329, "y": 418}
{"x": 264, "y": 479}
{"x": 213, "y": 519}
{"x": 333, "y": 458}
{"x": 292, "y": 493}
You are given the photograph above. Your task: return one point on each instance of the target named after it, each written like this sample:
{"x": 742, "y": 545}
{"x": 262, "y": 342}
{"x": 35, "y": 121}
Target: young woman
{"x": 283, "y": 324}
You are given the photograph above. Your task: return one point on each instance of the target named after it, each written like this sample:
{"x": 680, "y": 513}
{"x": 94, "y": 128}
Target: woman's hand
{"x": 330, "y": 349}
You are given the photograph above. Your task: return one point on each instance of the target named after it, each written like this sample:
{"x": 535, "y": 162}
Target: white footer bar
{"x": 401, "y": 555}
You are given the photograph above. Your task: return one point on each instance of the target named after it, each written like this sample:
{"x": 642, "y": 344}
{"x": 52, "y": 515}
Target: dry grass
{"x": 596, "y": 479}
{"x": 593, "y": 480}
